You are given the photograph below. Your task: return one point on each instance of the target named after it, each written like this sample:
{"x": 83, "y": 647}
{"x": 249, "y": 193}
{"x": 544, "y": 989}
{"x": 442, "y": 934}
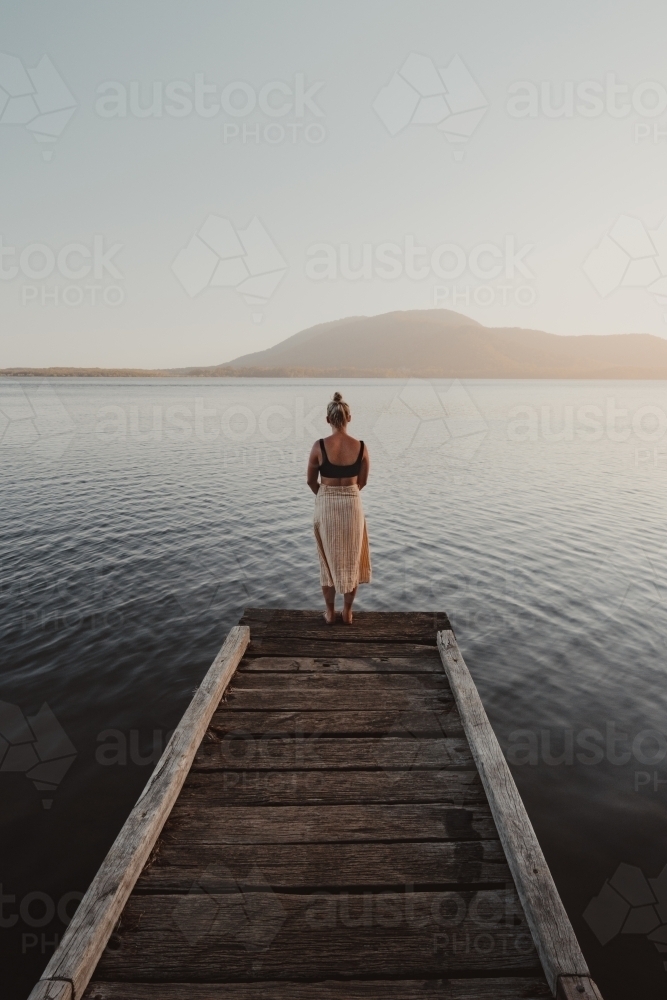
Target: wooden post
{"x": 577, "y": 988}
{"x": 52, "y": 989}
{"x": 554, "y": 938}
{"x": 73, "y": 963}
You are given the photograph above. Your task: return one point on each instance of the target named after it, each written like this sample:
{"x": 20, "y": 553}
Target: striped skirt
{"x": 342, "y": 539}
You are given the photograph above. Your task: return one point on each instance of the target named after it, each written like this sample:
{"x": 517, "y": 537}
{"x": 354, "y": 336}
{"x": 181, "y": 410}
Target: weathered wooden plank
{"x": 242, "y": 751}
{"x": 426, "y": 662}
{"x": 577, "y": 988}
{"x": 360, "y": 685}
{"x": 388, "y": 625}
{"x": 328, "y": 646}
{"x": 328, "y": 824}
{"x": 88, "y": 932}
{"x": 510, "y": 988}
{"x": 281, "y": 788}
{"x": 176, "y": 867}
{"x": 228, "y": 723}
{"x": 334, "y": 692}
{"x": 241, "y": 935}
{"x": 552, "y": 932}
{"x": 357, "y": 635}
{"x": 368, "y": 626}
{"x": 294, "y": 700}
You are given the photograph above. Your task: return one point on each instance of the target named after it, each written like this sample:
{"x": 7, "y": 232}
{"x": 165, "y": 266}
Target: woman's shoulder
{"x": 355, "y": 441}
{"x": 348, "y": 437}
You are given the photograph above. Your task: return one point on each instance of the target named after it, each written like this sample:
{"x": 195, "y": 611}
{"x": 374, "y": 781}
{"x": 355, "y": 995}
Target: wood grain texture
{"x": 329, "y": 646}
{"x": 295, "y": 699}
{"x": 552, "y": 932}
{"x": 204, "y": 790}
{"x": 364, "y": 685}
{"x": 90, "y": 928}
{"x": 510, "y": 988}
{"x": 368, "y": 626}
{"x": 404, "y": 752}
{"x": 428, "y": 661}
{"x": 177, "y": 866}
{"x": 335, "y": 692}
{"x": 206, "y": 937}
{"x": 577, "y": 988}
{"x": 328, "y": 824}
{"x": 53, "y": 989}
{"x": 229, "y": 723}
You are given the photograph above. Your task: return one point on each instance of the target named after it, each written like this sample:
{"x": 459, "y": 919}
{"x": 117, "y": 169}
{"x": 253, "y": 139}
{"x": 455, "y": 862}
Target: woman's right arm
{"x": 313, "y": 472}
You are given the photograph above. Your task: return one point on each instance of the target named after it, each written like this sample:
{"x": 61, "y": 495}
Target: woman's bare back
{"x": 342, "y": 449}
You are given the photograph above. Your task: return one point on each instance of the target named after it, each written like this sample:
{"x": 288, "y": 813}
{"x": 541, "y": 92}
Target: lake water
{"x": 140, "y": 516}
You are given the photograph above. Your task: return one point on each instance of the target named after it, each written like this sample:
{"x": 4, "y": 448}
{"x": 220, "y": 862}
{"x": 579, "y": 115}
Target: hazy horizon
{"x": 185, "y": 186}
{"x": 420, "y": 344}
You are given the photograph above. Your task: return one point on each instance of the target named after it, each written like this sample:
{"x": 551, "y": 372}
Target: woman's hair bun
{"x": 338, "y": 412}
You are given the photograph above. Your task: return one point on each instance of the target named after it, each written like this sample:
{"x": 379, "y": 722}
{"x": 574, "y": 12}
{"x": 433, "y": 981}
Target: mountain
{"x": 430, "y": 343}
{"x": 440, "y": 343}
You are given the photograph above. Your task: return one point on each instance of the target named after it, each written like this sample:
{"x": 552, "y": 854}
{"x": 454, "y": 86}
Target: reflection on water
{"x": 140, "y": 516}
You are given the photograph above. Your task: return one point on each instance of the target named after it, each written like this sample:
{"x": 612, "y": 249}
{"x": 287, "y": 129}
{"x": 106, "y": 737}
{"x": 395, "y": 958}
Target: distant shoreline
{"x": 421, "y": 344}
{"x": 593, "y": 374}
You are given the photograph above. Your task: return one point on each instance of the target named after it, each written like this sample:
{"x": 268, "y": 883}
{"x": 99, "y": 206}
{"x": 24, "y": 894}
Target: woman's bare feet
{"x": 329, "y": 616}
{"x": 347, "y": 615}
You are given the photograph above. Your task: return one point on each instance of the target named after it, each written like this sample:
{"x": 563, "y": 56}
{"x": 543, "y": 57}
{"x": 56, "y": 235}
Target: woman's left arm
{"x": 362, "y": 478}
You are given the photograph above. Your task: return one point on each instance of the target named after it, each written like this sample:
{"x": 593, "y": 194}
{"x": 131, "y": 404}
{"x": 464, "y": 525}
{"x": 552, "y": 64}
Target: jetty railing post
{"x": 73, "y": 963}
{"x": 562, "y": 960}
{"x": 52, "y": 989}
{"x": 577, "y": 988}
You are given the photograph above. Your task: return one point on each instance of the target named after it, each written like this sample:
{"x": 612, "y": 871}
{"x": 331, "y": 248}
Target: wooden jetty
{"x": 333, "y": 819}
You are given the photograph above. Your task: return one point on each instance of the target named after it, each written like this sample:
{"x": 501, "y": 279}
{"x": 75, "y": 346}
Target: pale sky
{"x": 151, "y": 234}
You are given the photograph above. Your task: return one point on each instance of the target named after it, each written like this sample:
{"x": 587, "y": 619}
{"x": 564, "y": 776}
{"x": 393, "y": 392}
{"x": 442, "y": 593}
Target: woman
{"x": 342, "y": 464}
